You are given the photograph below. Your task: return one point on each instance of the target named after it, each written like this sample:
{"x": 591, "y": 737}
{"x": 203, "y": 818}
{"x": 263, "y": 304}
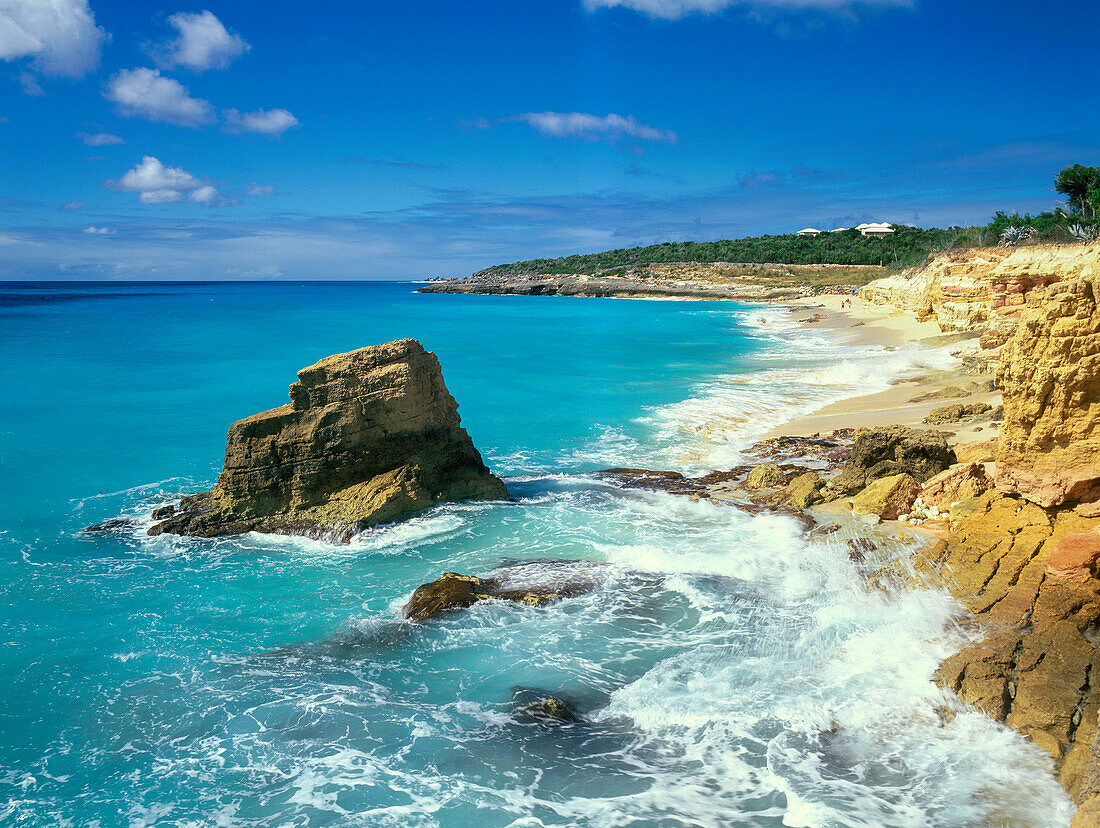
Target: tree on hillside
{"x": 1081, "y": 186}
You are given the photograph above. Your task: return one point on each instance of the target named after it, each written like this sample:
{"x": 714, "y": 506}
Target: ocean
{"x": 728, "y": 671}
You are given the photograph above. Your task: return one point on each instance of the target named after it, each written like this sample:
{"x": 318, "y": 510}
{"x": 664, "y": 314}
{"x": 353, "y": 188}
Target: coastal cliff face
{"x": 1036, "y": 665}
{"x": 1024, "y": 559}
{"x": 982, "y": 289}
{"x": 370, "y": 436}
{"x": 1049, "y": 447}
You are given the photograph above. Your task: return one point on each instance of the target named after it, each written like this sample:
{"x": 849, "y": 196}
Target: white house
{"x": 809, "y": 231}
{"x": 875, "y": 229}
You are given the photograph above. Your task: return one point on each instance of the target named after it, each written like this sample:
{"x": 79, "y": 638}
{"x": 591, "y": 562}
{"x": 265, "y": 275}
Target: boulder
{"x": 1048, "y": 449}
{"x": 892, "y": 450}
{"x": 766, "y": 476}
{"x": 979, "y": 452}
{"x": 805, "y": 490}
{"x": 535, "y": 584}
{"x": 1075, "y": 556}
{"x": 956, "y": 412}
{"x": 371, "y": 436}
{"x": 959, "y": 482}
{"x": 887, "y": 497}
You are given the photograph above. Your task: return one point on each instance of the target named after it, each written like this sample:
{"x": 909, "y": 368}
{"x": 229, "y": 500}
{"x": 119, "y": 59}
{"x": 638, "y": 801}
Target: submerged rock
{"x": 540, "y": 707}
{"x": 371, "y": 436}
{"x": 891, "y": 450}
{"x": 109, "y": 525}
{"x": 535, "y": 584}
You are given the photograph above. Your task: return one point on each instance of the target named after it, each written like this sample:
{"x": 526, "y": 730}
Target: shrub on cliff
{"x": 1081, "y": 186}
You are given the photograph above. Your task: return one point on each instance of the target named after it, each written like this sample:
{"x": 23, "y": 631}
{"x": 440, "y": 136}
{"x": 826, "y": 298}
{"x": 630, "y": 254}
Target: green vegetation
{"x": 909, "y": 245}
{"x": 1078, "y": 221}
{"x": 1081, "y": 186}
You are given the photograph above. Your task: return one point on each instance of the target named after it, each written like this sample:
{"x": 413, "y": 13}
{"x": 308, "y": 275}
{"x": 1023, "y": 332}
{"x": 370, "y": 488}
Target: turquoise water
{"x": 729, "y": 672}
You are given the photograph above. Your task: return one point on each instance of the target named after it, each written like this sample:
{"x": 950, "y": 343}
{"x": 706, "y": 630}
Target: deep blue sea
{"x": 729, "y": 672}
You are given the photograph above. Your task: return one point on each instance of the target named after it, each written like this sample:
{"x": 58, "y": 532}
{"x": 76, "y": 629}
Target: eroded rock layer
{"x": 370, "y": 436}
{"x": 1036, "y": 667}
{"x": 1048, "y": 449}
{"x": 982, "y": 289}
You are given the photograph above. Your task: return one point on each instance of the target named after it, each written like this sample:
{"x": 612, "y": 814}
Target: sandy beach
{"x": 906, "y": 403}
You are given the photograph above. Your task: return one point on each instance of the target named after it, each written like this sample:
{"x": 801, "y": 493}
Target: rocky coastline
{"x": 719, "y": 280}
{"x": 1006, "y": 520}
{"x": 996, "y": 499}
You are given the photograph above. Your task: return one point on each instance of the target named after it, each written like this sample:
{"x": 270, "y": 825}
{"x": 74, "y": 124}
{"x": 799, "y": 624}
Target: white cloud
{"x": 255, "y": 189}
{"x": 674, "y": 9}
{"x": 151, "y": 174}
{"x": 592, "y": 127}
{"x": 144, "y": 93}
{"x": 203, "y": 43}
{"x": 263, "y": 121}
{"x": 60, "y": 36}
{"x": 72, "y": 206}
{"x": 92, "y": 230}
{"x": 156, "y": 183}
{"x": 205, "y": 194}
{"x": 99, "y": 139}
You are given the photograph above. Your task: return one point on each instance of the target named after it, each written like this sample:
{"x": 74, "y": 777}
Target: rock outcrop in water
{"x": 371, "y": 436}
{"x": 535, "y": 584}
{"x": 1049, "y": 446}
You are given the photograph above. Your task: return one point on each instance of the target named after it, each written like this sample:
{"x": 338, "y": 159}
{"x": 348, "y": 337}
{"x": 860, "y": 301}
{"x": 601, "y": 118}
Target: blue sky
{"x": 360, "y": 140}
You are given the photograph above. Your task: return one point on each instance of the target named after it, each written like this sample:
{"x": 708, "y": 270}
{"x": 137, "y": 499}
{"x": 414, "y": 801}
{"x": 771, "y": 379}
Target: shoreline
{"x": 907, "y": 401}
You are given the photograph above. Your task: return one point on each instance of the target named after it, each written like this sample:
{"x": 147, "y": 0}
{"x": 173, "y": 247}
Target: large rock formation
{"x": 370, "y": 436}
{"x": 1048, "y": 449}
{"x": 1022, "y": 572}
{"x": 982, "y": 289}
{"x": 891, "y": 450}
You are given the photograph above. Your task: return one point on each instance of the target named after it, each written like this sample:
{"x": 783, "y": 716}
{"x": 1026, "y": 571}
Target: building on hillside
{"x": 809, "y": 231}
{"x": 875, "y": 229}
{"x": 839, "y": 229}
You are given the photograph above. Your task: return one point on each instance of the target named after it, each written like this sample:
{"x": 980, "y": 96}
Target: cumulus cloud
{"x": 156, "y": 183}
{"x": 59, "y": 36}
{"x": 202, "y": 43}
{"x": 610, "y": 127}
{"x": 674, "y": 9}
{"x": 99, "y": 139}
{"x": 255, "y": 189}
{"x": 144, "y": 93}
{"x": 92, "y": 230}
{"x": 263, "y": 121}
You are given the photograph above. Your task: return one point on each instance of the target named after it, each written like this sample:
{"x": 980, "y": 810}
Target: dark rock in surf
{"x": 892, "y": 450}
{"x": 538, "y": 707}
{"x": 109, "y": 525}
{"x": 535, "y": 584}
